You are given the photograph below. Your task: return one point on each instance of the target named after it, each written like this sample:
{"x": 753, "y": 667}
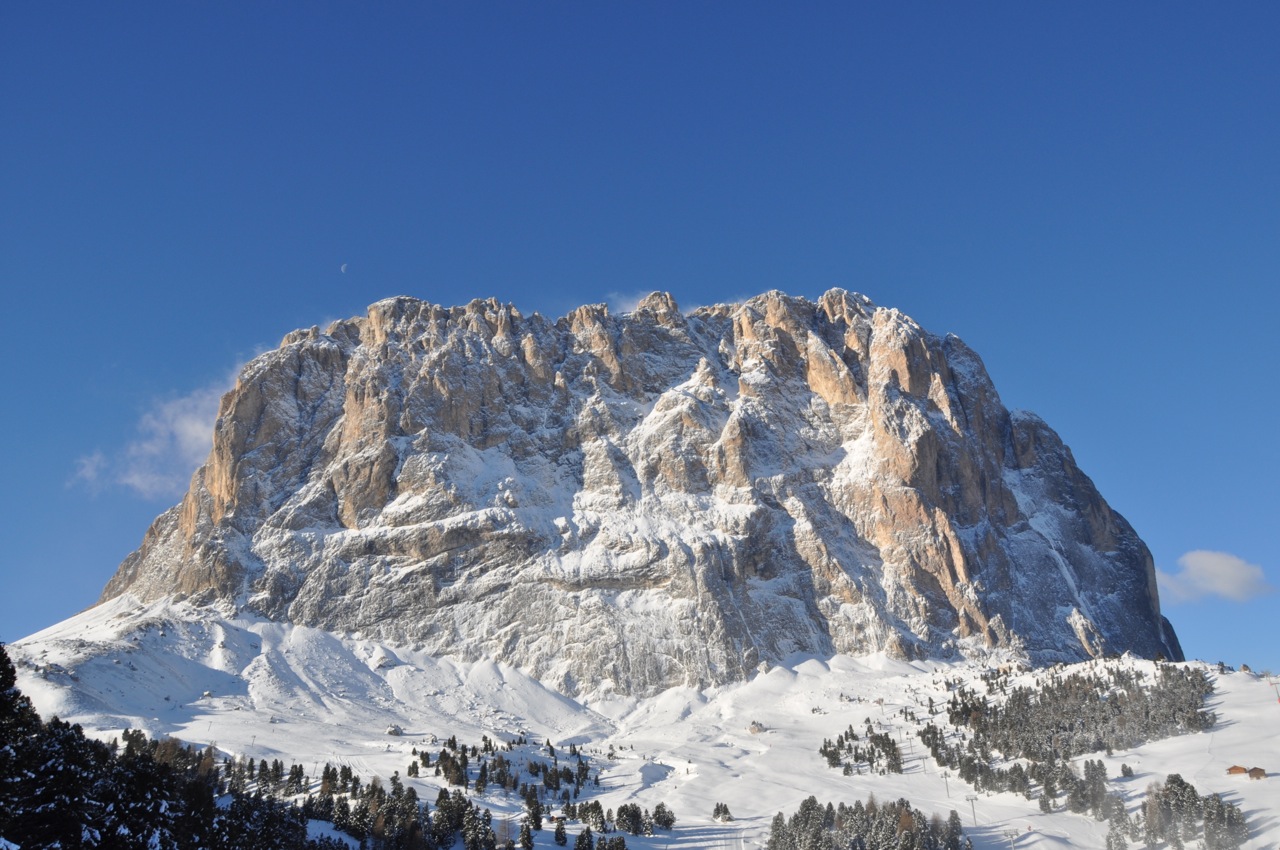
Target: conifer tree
{"x": 19, "y": 723}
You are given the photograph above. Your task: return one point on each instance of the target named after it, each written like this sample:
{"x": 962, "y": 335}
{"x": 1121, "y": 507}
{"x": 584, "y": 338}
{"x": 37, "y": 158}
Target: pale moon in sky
{"x": 344, "y": 268}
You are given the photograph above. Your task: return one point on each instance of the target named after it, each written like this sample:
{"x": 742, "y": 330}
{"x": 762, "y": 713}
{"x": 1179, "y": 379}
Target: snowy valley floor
{"x": 267, "y": 691}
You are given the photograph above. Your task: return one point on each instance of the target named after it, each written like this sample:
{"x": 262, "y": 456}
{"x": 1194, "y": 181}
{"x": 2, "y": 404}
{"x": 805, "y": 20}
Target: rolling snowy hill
{"x": 269, "y": 690}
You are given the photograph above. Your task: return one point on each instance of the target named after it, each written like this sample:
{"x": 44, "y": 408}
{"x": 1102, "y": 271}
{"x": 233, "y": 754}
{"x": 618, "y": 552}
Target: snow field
{"x": 265, "y": 690}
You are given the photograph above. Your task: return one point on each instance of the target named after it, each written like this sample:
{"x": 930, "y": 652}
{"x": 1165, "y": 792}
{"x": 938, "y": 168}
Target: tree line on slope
{"x": 60, "y": 788}
{"x": 1081, "y": 713}
{"x": 893, "y": 825}
{"x": 1017, "y": 739}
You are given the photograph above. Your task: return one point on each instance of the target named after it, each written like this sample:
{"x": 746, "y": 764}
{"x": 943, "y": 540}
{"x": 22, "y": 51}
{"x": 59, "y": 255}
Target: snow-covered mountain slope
{"x": 269, "y": 690}
{"x": 652, "y": 499}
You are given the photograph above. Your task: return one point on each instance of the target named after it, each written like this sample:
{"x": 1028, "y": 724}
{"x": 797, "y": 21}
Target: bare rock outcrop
{"x": 650, "y": 499}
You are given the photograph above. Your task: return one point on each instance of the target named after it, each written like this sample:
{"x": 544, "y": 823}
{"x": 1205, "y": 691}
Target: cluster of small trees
{"x": 592, "y": 814}
{"x": 1172, "y": 813}
{"x": 487, "y": 765}
{"x": 880, "y": 754}
{"x": 865, "y": 826}
{"x": 452, "y": 768}
{"x": 587, "y": 840}
{"x": 972, "y": 762}
{"x": 338, "y": 780}
{"x": 1085, "y": 794}
{"x": 1082, "y": 713}
{"x": 630, "y": 817}
{"x": 455, "y": 815}
{"x": 1064, "y": 717}
{"x": 1175, "y": 813}
{"x": 388, "y": 819}
{"x": 1085, "y": 713}
{"x": 243, "y": 776}
{"x": 1088, "y": 794}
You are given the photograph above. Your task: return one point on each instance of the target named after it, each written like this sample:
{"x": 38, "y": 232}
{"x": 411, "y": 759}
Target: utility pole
{"x": 973, "y": 810}
{"x": 946, "y": 784}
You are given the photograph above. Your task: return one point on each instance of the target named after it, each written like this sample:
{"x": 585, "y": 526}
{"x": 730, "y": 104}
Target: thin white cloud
{"x": 89, "y": 470}
{"x": 625, "y": 302}
{"x": 1203, "y": 573}
{"x": 173, "y": 438}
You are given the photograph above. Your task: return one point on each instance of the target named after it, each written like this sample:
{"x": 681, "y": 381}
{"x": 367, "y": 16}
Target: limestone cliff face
{"x": 650, "y": 499}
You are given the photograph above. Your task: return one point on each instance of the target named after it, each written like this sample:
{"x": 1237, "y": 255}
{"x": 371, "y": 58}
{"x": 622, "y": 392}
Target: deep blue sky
{"x": 1089, "y": 194}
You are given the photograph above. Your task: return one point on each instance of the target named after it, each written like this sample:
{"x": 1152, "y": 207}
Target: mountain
{"x": 638, "y": 501}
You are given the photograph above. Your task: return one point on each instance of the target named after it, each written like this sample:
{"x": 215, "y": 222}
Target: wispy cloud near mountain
{"x": 172, "y": 439}
{"x": 1203, "y": 573}
{"x": 625, "y": 302}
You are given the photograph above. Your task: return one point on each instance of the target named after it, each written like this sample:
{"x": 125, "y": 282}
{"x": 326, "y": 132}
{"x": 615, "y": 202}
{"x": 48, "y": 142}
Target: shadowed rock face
{"x": 651, "y": 499}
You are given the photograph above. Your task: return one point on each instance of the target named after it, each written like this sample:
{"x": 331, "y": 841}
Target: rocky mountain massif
{"x": 637, "y": 501}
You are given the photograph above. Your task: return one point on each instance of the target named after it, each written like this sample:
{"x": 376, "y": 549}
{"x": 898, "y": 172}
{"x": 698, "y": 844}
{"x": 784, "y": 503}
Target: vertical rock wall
{"x": 650, "y": 499}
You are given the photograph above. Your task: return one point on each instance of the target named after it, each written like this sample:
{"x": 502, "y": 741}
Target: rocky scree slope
{"x": 637, "y": 501}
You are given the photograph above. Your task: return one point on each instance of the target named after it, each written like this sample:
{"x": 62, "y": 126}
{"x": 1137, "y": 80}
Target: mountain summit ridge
{"x": 636, "y": 501}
